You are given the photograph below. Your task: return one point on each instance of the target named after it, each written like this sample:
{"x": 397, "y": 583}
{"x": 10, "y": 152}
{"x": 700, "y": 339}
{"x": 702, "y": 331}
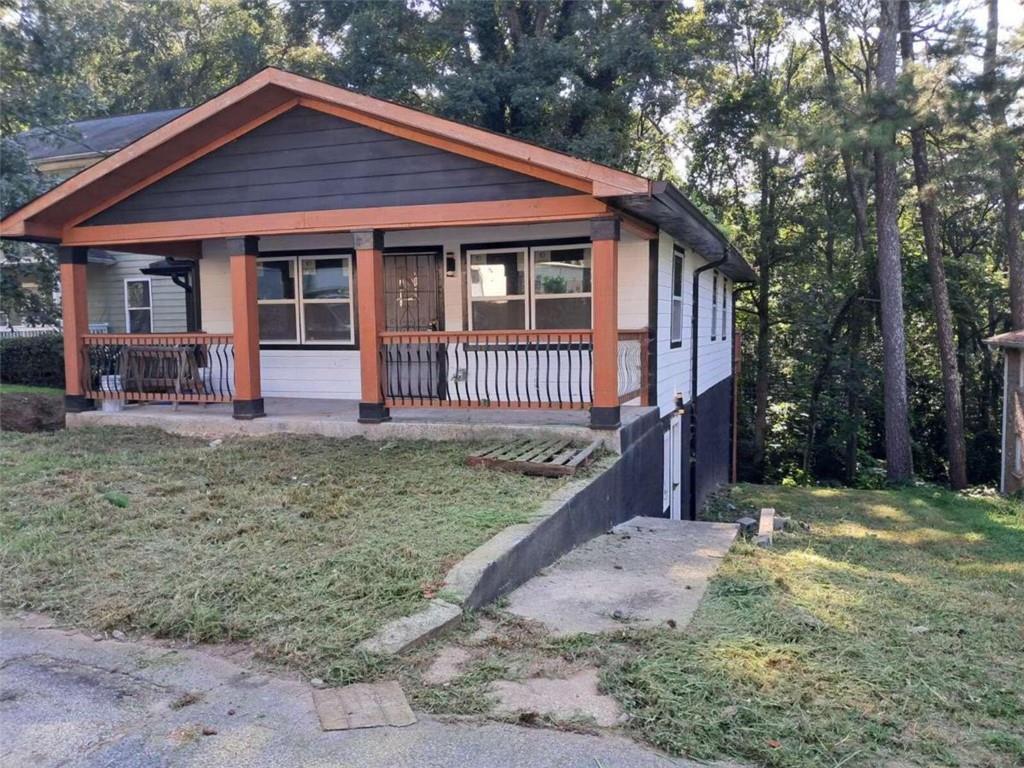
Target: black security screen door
{"x": 414, "y": 301}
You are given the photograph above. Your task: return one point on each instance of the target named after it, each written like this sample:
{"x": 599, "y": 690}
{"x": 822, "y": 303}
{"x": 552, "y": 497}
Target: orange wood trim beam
{"x": 181, "y": 163}
{"x": 75, "y": 314}
{"x": 538, "y": 209}
{"x": 245, "y": 316}
{"x": 605, "y": 285}
{"x": 449, "y": 145}
{"x": 369, "y": 247}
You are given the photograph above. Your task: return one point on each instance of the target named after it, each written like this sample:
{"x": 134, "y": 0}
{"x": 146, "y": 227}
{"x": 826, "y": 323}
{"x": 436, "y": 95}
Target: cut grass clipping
{"x": 303, "y": 546}
{"x": 891, "y": 633}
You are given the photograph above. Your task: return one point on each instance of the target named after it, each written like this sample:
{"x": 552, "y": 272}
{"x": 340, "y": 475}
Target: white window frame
{"x": 129, "y": 309}
{"x": 523, "y": 297}
{"x": 530, "y": 297}
{"x": 678, "y": 256}
{"x": 535, "y": 297}
{"x": 301, "y": 299}
{"x": 293, "y": 302}
{"x": 725, "y": 308}
{"x": 714, "y": 305}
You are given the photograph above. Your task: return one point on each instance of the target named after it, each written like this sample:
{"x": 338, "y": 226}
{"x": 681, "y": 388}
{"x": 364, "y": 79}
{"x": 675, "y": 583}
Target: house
{"x": 353, "y": 250}
{"x": 124, "y": 293}
{"x": 1012, "y": 474}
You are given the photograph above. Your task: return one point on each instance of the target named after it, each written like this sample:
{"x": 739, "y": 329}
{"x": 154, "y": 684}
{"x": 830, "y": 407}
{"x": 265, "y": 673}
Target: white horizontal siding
{"x": 714, "y": 357}
{"x": 673, "y": 362}
{"x": 331, "y": 374}
{"x": 105, "y": 292}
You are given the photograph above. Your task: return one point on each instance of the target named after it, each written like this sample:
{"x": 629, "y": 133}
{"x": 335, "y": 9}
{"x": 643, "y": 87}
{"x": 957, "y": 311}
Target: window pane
{"x": 499, "y": 315}
{"x": 325, "y": 279}
{"x": 277, "y": 322}
{"x": 566, "y": 270}
{"x": 138, "y": 293}
{"x": 274, "y": 280}
{"x": 677, "y": 275}
{"x": 140, "y": 321}
{"x": 677, "y": 320}
{"x": 562, "y": 313}
{"x": 497, "y": 274}
{"x": 327, "y": 322}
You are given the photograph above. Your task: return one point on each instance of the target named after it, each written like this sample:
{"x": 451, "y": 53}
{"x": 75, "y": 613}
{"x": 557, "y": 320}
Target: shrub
{"x": 37, "y": 361}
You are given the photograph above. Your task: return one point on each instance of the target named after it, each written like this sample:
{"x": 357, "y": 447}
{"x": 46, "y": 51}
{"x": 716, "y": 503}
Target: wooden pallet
{"x": 551, "y": 458}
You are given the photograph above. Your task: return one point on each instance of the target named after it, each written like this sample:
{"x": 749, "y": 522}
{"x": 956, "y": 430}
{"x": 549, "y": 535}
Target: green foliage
{"x": 36, "y": 361}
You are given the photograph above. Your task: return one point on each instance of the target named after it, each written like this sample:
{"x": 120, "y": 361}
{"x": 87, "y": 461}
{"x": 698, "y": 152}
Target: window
{"x": 676, "y": 337}
{"x": 497, "y": 289}
{"x": 305, "y": 299}
{"x": 561, "y": 287}
{"x": 542, "y": 287}
{"x": 714, "y": 306}
{"x": 138, "y": 305}
{"x": 725, "y": 305}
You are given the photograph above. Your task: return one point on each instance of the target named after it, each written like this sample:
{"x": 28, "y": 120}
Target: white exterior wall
{"x": 714, "y": 358}
{"x": 105, "y": 291}
{"x": 335, "y": 374}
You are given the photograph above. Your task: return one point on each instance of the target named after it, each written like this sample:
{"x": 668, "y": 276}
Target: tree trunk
{"x": 1006, "y": 161}
{"x": 899, "y": 459}
{"x": 955, "y": 446}
{"x": 763, "y": 360}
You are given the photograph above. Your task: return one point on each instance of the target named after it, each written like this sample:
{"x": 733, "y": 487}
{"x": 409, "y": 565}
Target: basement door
{"x": 673, "y": 469}
{"x": 414, "y": 301}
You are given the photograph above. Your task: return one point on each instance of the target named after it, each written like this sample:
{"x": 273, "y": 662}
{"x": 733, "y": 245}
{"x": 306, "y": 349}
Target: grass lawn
{"x": 302, "y": 546}
{"x": 891, "y": 633}
{"x": 24, "y": 389}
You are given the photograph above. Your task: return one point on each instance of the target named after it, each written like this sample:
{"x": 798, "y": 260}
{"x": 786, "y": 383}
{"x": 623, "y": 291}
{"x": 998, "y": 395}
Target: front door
{"x": 414, "y": 301}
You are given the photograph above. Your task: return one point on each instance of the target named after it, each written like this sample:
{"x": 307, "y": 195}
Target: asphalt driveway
{"x": 69, "y": 700}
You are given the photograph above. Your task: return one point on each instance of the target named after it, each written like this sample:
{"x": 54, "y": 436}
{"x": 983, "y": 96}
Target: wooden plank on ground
{"x": 363, "y": 705}
{"x": 766, "y": 528}
{"x": 553, "y": 458}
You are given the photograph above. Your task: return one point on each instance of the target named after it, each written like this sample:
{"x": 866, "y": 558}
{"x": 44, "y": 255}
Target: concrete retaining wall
{"x": 630, "y": 486}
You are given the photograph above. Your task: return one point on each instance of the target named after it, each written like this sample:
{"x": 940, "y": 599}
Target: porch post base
{"x": 78, "y": 404}
{"x": 246, "y": 410}
{"x": 605, "y": 417}
{"x": 373, "y": 413}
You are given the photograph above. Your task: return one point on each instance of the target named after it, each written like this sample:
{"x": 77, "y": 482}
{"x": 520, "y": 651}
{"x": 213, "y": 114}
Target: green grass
{"x": 891, "y": 633}
{"x": 302, "y": 546}
{"x": 24, "y": 389}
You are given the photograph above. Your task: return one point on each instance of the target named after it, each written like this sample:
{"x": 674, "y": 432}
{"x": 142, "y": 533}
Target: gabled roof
{"x": 271, "y": 92}
{"x": 90, "y": 138}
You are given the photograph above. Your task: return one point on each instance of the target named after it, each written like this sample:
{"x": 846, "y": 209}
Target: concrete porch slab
{"x": 646, "y": 572}
{"x": 338, "y": 418}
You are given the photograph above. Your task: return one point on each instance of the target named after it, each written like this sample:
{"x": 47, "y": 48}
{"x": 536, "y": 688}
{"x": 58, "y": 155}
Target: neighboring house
{"x": 352, "y": 249}
{"x": 119, "y": 292}
{"x": 1012, "y": 474}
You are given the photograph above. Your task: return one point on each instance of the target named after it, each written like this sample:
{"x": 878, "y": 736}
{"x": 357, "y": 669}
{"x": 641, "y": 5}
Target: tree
{"x": 929, "y": 212}
{"x": 899, "y": 459}
{"x": 998, "y": 94}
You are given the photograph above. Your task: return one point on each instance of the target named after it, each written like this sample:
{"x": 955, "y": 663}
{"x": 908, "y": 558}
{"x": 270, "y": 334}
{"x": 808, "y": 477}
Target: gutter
{"x": 694, "y": 329}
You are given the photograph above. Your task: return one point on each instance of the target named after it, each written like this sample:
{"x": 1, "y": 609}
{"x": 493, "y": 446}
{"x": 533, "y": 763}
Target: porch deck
{"x": 339, "y": 418}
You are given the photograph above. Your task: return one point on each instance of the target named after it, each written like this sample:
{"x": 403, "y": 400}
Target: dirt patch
{"x": 572, "y": 698}
{"x": 24, "y": 412}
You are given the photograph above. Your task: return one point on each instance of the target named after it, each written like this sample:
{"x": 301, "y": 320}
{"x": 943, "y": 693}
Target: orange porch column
{"x": 75, "y": 313}
{"x": 248, "y": 401}
{"x": 604, "y": 237}
{"x": 369, "y": 247}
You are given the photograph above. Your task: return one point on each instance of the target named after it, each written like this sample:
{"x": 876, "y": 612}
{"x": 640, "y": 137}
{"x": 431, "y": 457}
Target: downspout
{"x": 694, "y": 330}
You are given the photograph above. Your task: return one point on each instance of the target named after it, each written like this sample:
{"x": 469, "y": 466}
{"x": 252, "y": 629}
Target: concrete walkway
{"x": 68, "y": 700}
{"x": 648, "y": 571}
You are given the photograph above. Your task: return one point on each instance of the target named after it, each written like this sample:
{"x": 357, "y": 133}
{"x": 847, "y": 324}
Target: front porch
{"x": 340, "y": 419}
{"x": 543, "y": 336}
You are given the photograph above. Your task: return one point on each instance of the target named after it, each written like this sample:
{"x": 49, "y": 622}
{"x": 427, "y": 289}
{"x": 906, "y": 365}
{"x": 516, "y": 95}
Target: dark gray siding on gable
{"x": 306, "y": 160}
